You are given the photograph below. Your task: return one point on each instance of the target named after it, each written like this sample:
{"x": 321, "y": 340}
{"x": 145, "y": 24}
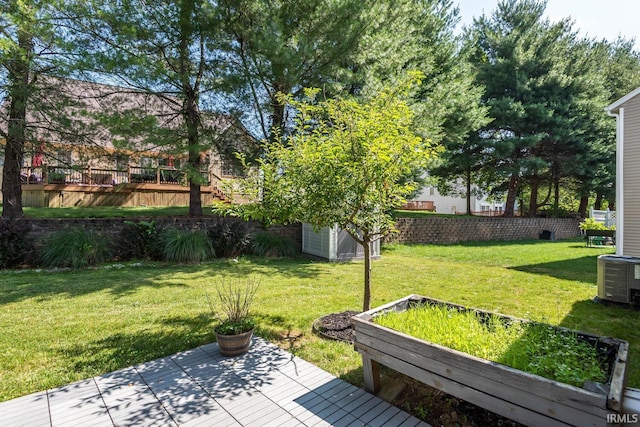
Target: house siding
{"x": 631, "y": 178}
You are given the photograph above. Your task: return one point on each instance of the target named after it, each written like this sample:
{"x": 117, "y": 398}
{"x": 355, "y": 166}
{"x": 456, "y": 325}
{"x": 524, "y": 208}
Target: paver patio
{"x": 200, "y": 387}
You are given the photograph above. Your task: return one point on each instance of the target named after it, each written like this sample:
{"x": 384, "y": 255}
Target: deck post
{"x": 371, "y": 370}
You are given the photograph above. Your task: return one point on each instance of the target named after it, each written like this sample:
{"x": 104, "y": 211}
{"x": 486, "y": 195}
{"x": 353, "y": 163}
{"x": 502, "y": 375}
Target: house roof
{"x": 616, "y": 105}
{"x": 82, "y": 113}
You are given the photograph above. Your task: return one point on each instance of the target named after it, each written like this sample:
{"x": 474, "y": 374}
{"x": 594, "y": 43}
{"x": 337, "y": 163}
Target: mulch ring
{"x": 336, "y": 326}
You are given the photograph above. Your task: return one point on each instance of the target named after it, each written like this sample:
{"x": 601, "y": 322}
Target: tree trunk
{"x": 195, "y": 194}
{"x": 533, "y": 201}
{"x": 468, "y": 177}
{"x": 277, "y": 116}
{"x": 512, "y": 193}
{"x": 584, "y": 204}
{"x": 366, "y": 305}
{"x": 597, "y": 205}
{"x": 191, "y": 112}
{"x": 19, "y": 75}
{"x": 556, "y": 196}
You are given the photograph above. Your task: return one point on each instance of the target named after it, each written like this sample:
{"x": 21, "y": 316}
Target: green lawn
{"x": 147, "y": 211}
{"x": 109, "y": 211}
{"x": 65, "y": 326}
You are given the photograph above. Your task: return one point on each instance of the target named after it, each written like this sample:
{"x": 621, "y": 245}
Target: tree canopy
{"x": 343, "y": 165}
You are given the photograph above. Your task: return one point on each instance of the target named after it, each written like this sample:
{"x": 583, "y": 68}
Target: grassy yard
{"x": 64, "y": 326}
{"x": 153, "y": 211}
{"x": 109, "y": 212}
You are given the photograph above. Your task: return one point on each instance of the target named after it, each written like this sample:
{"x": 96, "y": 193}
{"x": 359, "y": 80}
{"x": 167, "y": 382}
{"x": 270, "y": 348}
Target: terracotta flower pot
{"x": 234, "y": 345}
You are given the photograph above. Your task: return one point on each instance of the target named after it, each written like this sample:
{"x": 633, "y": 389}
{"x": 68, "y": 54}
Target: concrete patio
{"x": 200, "y": 387}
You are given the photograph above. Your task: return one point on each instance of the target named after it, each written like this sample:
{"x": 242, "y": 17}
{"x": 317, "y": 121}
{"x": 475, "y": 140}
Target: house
{"x": 619, "y": 274}
{"x": 626, "y": 110}
{"x": 84, "y": 149}
{"x": 430, "y": 199}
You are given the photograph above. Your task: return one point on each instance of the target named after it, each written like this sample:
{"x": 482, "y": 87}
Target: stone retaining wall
{"x": 435, "y": 230}
{"x": 42, "y": 228}
{"x": 439, "y": 230}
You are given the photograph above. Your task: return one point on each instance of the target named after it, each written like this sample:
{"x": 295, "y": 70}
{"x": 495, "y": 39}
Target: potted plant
{"x": 235, "y": 330}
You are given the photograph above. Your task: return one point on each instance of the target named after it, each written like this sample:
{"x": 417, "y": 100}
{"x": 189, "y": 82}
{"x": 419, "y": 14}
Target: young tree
{"x": 344, "y": 165}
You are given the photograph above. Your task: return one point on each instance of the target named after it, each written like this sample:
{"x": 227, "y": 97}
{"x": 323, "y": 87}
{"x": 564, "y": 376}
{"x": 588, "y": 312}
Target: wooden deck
{"x": 200, "y": 387}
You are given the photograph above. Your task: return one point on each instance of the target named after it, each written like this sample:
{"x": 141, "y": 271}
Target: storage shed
{"x": 333, "y": 244}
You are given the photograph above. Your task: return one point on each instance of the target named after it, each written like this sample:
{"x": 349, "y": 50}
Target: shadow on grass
{"x": 40, "y": 285}
{"x": 166, "y": 337}
{"x": 582, "y": 269}
{"x": 43, "y": 285}
{"x": 122, "y": 349}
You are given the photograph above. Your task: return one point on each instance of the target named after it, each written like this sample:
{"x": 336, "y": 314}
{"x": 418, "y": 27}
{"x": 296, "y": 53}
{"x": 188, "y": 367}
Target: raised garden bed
{"x": 524, "y": 397}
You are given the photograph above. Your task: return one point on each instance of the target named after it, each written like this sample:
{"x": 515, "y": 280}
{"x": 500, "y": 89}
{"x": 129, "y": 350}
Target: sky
{"x": 595, "y": 18}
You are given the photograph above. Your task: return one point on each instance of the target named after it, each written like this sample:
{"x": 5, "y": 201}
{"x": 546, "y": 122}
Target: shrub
{"x": 270, "y": 245}
{"x": 15, "y": 246}
{"x": 138, "y": 240}
{"x": 230, "y": 238}
{"x": 75, "y": 248}
{"x": 186, "y": 246}
{"x": 592, "y": 224}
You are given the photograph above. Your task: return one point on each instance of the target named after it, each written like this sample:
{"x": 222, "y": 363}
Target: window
{"x": 63, "y": 158}
{"x": 146, "y": 162}
{"x": 227, "y": 168}
{"x": 122, "y": 162}
{"x": 432, "y": 191}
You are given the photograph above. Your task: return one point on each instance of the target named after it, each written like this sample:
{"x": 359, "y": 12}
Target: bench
{"x": 595, "y": 236}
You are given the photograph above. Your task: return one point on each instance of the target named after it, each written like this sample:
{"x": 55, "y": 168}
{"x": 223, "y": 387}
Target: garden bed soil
{"x": 441, "y": 409}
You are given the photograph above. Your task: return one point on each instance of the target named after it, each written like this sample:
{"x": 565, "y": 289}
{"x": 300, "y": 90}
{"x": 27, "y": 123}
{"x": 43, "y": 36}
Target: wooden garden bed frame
{"x": 523, "y": 397}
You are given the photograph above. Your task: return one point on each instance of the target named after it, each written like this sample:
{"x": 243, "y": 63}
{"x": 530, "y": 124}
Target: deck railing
{"x": 106, "y": 177}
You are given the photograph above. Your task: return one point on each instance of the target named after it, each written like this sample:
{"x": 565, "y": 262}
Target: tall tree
{"x": 619, "y": 64}
{"x": 418, "y": 34}
{"x": 535, "y": 92}
{"x": 168, "y": 49}
{"x": 283, "y": 46}
{"x": 26, "y": 51}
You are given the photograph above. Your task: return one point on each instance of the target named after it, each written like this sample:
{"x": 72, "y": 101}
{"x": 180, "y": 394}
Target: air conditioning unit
{"x": 619, "y": 279}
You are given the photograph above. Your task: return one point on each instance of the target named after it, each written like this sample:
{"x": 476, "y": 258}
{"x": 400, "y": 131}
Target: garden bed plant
{"x": 530, "y": 372}
{"x": 554, "y": 353}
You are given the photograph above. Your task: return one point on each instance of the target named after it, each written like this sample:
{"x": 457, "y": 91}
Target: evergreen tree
{"x": 418, "y": 35}
{"x": 167, "y": 49}
{"x": 281, "y": 47}
{"x": 545, "y": 101}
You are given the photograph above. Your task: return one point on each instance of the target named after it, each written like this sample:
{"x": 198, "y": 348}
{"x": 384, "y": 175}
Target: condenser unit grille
{"x": 619, "y": 278}
{"x": 615, "y": 282}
